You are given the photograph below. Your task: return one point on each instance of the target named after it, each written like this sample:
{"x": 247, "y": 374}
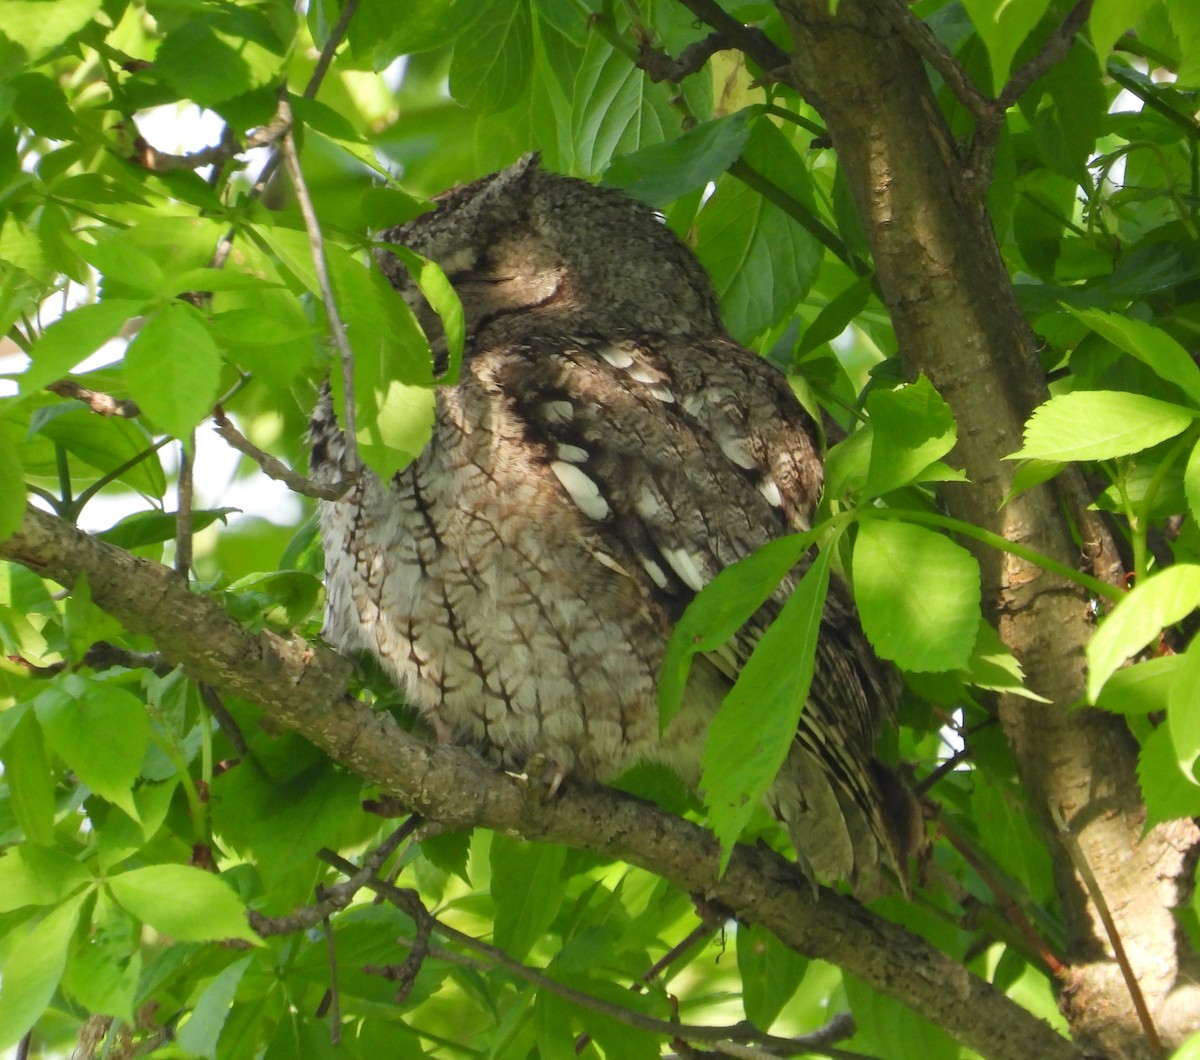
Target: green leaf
{"x": 73, "y": 338}
{"x": 1143, "y": 688}
{"x": 1150, "y": 345}
{"x": 442, "y": 299}
{"x": 183, "y": 902}
{"x": 375, "y": 31}
{"x": 280, "y": 599}
{"x": 1100, "y": 425}
{"x": 917, "y": 594}
{"x": 199, "y": 1033}
{"x": 1191, "y": 482}
{"x": 616, "y": 109}
{"x": 995, "y": 668}
{"x": 663, "y": 172}
{"x": 770, "y": 973}
{"x": 761, "y": 259}
{"x": 528, "y": 886}
{"x": 100, "y": 730}
{"x": 42, "y": 105}
{"x": 491, "y": 64}
{"x": 39, "y": 25}
{"x": 913, "y": 428}
{"x": 1168, "y": 792}
{"x": 35, "y": 966}
{"x": 1003, "y": 28}
{"x": 1110, "y": 18}
{"x": 400, "y": 429}
{"x": 174, "y": 368}
{"x": 1183, "y": 714}
{"x": 1154, "y": 603}
{"x": 720, "y": 609}
{"x": 37, "y": 875}
{"x": 84, "y": 623}
{"x": 103, "y": 971}
{"x": 28, "y": 774}
{"x": 106, "y": 443}
{"x": 209, "y": 66}
{"x": 12, "y": 500}
{"x": 152, "y": 528}
{"x": 754, "y": 728}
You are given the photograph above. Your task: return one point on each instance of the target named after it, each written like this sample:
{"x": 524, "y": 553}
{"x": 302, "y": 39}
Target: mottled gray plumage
{"x": 606, "y": 452}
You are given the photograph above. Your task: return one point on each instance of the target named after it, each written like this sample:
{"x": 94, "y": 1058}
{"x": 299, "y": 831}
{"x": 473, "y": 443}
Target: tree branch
{"x": 304, "y": 687}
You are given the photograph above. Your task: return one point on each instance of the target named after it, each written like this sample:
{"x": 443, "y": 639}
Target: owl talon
{"x": 541, "y": 779}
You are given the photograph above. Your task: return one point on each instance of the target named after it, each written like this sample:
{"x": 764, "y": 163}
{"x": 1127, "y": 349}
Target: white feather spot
{"x": 685, "y": 566}
{"x": 771, "y": 491}
{"x": 657, "y": 574}
{"x": 646, "y": 504}
{"x": 557, "y": 411}
{"x": 581, "y": 489}
{"x": 693, "y": 404}
{"x": 573, "y": 454}
{"x": 738, "y": 450}
{"x": 663, "y": 394}
{"x": 643, "y": 373}
{"x": 617, "y": 356}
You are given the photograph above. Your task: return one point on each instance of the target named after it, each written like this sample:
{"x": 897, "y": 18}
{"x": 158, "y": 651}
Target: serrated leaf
{"x": 33, "y": 969}
{"x": 917, "y": 594}
{"x": 103, "y": 970}
{"x": 38, "y": 25}
{"x": 184, "y": 903}
{"x": 203, "y": 1026}
{"x": 1150, "y": 345}
{"x": 1183, "y": 713}
{"x": 28, "y": 775}
{"x": 527, "y": 888}
{"x": 106, "y": 443}
{"x": 1100, "y": 425}
{"x": 754, "y": 728}
{"x": 1191, "y": 482}
{"x": 1169, "y": 794}
{"x": 73, "y": 338}
{"x": 1154, "y": 603}
{"x": 995, "y": 668}
{"x": 100, "y": 730}
{"x": 209, "y": 66}
{"x": 174, "y": 369}
{"x": 720, "y": 609}
{"x": 913, "y": 427}
{"x": 444, "y": 301}
{"x": 663, "y": 172}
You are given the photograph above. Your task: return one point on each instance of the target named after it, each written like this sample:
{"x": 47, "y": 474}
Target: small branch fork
{"x": 988, "y": 112}
{"x": 489, "y": 957}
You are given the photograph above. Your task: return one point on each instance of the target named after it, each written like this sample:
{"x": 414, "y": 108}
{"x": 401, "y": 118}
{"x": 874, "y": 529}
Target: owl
{"x": 607, "y": 449}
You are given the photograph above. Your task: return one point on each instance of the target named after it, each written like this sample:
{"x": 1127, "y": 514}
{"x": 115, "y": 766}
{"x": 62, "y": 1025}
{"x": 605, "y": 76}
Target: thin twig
{"x": 185, "y": 494}
{"x": 748, "y": 39}
{"x": 925, "y": 43}
{"x": 101, "y": 404}
{"x": 275, "y": 468}
{"x": 225, "y": 721}
{"x": 1110, "y": 928}
{"x": 1007, "y": 903}
{"x": 316, "y": 241}
{"x": 335, "y": 1005}
{"x": 659, "y": 65}
{"x": 338, "y": 896}
{"x": 494, "y": 957}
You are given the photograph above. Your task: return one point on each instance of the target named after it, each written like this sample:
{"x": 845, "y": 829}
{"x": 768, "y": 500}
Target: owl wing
{"x": 686, "y": 457}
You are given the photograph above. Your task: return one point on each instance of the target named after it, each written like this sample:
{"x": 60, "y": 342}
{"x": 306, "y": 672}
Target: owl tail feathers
{"x": 863, "y": 837}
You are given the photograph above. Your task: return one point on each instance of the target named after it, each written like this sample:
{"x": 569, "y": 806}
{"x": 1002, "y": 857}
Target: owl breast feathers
{"x": 607, "y": 450}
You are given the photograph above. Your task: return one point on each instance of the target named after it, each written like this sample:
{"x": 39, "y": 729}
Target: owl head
{"x": 559, "y": 251}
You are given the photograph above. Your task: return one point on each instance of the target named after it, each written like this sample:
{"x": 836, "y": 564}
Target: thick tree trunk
{"x": 957, "y": 321}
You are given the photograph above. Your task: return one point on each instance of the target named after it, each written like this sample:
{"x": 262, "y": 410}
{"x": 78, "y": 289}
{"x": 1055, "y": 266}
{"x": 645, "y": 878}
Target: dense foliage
{"x": 143, "y": 813}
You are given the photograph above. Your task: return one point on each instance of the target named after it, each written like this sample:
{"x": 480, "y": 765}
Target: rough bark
{"x": 303, "y": 687}
{"x": 957, "y": 321}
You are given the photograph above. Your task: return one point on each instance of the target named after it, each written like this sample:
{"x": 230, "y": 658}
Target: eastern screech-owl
{"x": 607, "y": 450}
